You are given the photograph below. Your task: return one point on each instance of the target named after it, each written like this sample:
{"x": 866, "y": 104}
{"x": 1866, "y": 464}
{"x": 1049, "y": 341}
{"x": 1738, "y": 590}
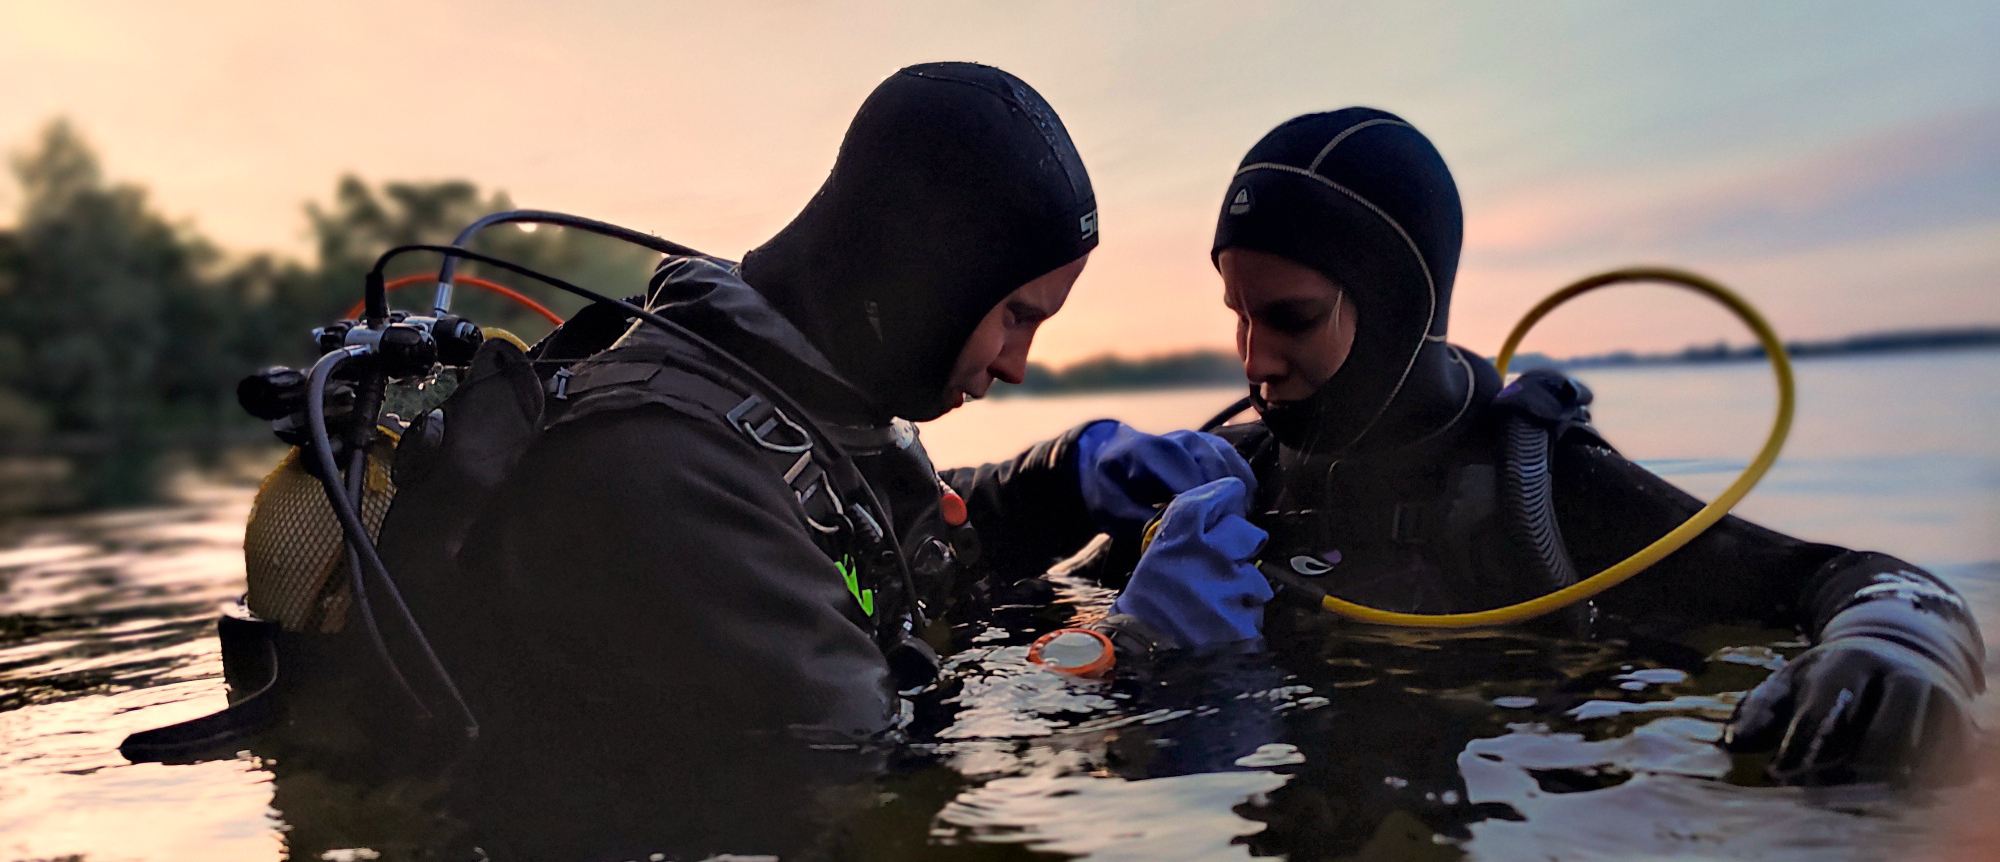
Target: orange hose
{"x": 473, "y": 281}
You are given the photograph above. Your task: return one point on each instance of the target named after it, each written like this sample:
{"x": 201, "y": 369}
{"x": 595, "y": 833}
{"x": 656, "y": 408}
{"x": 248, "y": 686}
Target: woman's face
{"x": 1294, "y": 327}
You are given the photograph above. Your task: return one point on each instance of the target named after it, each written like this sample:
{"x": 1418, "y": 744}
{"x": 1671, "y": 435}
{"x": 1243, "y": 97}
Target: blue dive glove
{"x": 1126, "y": 475}
{"x": 1196, "y": 583}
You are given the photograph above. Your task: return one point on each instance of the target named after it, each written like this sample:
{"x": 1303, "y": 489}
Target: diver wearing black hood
{"x": 684, "y": 553}
{"x": 1385, "y": 473}
{"x": 954, "y": 186}
{"x": 679, "y": 549}
{"x": 1368, "y": 179}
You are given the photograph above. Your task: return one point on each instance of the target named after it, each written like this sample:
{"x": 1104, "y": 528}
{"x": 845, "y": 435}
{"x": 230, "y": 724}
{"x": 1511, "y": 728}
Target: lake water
{"x": 1404, "y": 747}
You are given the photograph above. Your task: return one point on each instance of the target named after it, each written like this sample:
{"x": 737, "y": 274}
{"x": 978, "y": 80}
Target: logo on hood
{"x": 1241, "y": 203}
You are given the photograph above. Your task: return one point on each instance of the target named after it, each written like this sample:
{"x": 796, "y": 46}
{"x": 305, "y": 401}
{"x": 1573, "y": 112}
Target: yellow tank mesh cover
{"x": 293, "y": 551}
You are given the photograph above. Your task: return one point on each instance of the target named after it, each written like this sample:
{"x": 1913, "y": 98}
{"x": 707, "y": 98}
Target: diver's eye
{"x": 1293, "y": 318}
{"x": 1023, "y": 316}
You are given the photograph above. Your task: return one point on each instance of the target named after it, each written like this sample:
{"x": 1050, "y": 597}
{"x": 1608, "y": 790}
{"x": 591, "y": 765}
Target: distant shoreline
{"x": 1198, "y": 368}
{"x": 1900, "y": 341}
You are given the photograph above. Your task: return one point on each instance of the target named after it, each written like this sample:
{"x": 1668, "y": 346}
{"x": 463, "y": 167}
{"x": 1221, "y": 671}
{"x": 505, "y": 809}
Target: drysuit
{"x": 1385, "y": 476}
{"x": 1385, "y": 486}
{"x": 690, "y": 564}
{"x": 652, "y": 550}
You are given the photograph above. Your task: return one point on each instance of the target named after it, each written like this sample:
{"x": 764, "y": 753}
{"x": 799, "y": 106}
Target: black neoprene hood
{"x": 955, "y": 185}
{"x": 1364, "y": 198}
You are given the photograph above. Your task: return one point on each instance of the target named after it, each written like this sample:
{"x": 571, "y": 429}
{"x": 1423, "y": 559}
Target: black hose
{"x": 326, "y": 471}
{"x": 1527, "y": 501}
{"x": 357, "y": 468}
{"x": 450, "y": 265}
{"x": 358, "y": 541}
{"x": 1228, "y": 413}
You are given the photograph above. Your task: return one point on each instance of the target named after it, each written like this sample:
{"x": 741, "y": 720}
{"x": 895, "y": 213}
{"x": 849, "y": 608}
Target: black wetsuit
{"x": 655, "y": 563}
{"x": 1384, "y": 486}
{"x": 1419, "y": 528}
{"x": 1391, "y": 462}
{"x": 669, "y": 592}
{"x": 647, "y": 606}
{"x": 667, "y": 557}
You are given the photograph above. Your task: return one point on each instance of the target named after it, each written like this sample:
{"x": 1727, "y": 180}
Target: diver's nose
{"x": 1011, "y": 366}
{"x": 1261, "y": 363}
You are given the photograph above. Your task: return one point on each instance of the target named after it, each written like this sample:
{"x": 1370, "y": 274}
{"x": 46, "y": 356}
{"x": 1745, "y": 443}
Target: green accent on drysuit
{"x": 852, "y": 575}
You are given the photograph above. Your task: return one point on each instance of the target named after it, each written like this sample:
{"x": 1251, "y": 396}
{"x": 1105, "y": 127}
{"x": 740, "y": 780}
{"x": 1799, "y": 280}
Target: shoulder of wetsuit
{"x": 1553, "y": 400}
{"x": 682, "y": 379}
{"x": 1254, "y": 441}
{"x": 591, "y": 330}
{"x": 1609, "y": 507}
{"x": 825, "y": 482}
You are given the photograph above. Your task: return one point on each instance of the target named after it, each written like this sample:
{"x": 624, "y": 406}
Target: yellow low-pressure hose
{"x": 1780, "y": 365}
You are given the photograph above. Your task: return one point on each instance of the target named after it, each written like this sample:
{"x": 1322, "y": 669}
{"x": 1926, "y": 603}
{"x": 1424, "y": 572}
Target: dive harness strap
{"x": 627, "y": 377}
{"x": 249, "y": 644}
{"x": 852, "y": 536}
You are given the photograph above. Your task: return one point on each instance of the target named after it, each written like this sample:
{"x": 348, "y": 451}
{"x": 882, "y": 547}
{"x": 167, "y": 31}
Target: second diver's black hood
{"x": 955, "y": 185}
{"x": 1364, "y": 198}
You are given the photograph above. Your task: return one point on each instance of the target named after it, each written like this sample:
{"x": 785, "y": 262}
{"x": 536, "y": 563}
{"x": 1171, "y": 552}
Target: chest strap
{"x": 855, "y": 538}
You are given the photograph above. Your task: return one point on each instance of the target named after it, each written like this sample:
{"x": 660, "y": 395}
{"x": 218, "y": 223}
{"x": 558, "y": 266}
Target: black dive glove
{"x": 1885, "y": 696}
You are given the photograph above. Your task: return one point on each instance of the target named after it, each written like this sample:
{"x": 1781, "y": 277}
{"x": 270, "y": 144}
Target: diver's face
{"x": 1294, "y": 327}
{"x": 998, "y": 348}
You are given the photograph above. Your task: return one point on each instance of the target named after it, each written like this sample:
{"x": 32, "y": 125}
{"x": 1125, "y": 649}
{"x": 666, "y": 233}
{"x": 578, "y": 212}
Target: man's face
{"x": 998, "y": 348}
{"x": 1294, "y": 327}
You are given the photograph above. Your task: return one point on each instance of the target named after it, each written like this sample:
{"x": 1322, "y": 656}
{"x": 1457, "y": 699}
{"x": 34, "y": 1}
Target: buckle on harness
{"x": 758, "y": 419}
{"x": 807, "y": 481}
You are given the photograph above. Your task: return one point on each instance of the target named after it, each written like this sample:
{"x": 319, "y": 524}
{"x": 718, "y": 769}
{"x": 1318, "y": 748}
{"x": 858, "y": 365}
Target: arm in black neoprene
{"x": 1736, "y": 571}
{"x": 1028, "y": 510}
{"x": 1885, "y": 692}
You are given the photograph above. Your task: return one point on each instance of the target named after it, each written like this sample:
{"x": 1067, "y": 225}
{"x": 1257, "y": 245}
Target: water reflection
{"x": 1182, "y": 817}
{"x": 105, "y": 625}
{"x": 1404, "y": 745}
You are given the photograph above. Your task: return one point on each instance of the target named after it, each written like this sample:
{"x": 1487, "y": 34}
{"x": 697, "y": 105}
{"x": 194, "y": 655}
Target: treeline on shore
{"x": 1899, "y": 341}
{"x": 1220, "y": 367}
{"x": 1186, "y": 368}
{"x": 123, "y": 332}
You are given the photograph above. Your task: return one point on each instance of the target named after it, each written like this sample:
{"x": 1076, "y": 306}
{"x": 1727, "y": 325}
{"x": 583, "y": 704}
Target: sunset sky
{"x": 1839, "y": 162}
